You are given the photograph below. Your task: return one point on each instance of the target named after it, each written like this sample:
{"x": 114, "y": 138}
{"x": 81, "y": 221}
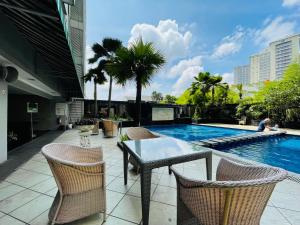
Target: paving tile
{"x": 42, "y": 219}
{"x": 44, "y": 186}
{"x": 8, "y": 220}
{"x": 129, "y": 209}
{"x": 162, "y": 214}
{"x": 1, "y": 214}
{"x": 109, "y": 179}
{"x": 118, "y": 185}
{"x": 285, "y": 200}
{"x": 9, "y": 204}
{"x": 292, "y": 187}
{"x": 33, "y": 208}
{"x": 114, "y": 171}
{"x": 112, "y": 199}
{"x": 292, "y": 216}
{"x": 26, "y": 178}
{"x": 37, "y": 166}
{"x": 272, "y": 216}
{"x": 4, "y": 184}
{"x": 165, "y": 194}
{"x": 116, "y": 221}
{"x": 95, "y": 219}
{"x": 135, "y": 189}
{"x": 52, "y": 192}
{"x": 167, "y": 180}
{"x": 10, "y": 190}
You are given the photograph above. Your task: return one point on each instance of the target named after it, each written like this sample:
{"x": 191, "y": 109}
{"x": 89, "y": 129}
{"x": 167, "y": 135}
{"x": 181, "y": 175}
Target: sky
{"x": 193, "y": 35}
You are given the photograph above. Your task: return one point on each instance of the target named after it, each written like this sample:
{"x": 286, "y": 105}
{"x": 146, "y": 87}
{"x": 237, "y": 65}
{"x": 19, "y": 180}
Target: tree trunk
{"x": 213, "y": 95}
{"x": 138, "y": 101}
{"x": 109, "y": 96}
{"x": 95, "y": 99}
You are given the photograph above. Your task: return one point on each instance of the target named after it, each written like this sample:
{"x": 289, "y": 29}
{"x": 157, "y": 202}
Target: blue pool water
{"x": 195, "y": 132}
{"x": 283, "y": 151}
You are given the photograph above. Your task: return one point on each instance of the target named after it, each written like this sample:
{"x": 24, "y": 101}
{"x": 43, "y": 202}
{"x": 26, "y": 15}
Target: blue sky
{"x": 194, "y": 35}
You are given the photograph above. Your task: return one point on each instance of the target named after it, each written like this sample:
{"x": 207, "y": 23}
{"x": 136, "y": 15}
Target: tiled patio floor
{"x": 27, "y": 194}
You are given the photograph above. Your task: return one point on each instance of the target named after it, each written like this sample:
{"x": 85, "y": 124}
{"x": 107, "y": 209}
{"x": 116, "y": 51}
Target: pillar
{"x": 3, "y": 121}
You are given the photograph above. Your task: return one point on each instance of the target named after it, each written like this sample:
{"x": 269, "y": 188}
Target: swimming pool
{"x": 282, "y": 151}
{"x": 196, "y": 132}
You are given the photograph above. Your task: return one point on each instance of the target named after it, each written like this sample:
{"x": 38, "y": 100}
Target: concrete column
{"x": 3, "y": 121}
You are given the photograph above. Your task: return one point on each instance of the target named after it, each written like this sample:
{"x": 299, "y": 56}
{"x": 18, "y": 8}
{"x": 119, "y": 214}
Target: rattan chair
{"x": 110, "y": 128}
{"x": 80, "y": 177}
{"x": 95, "y": 129}
{"x": 238, "y": 197}
{"x": 138, "y": 133}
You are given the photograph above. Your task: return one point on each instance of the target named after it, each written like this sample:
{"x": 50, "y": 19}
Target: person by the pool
{"x": 266, "y": 124}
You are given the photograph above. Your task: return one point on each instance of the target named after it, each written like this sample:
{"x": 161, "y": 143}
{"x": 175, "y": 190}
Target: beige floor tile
{"x": 52, "y": 192}
{"x": 115, "y": 221}
{"x": 286, "y": 200}
{"x": 135, "y": 189}
{"x": 292, "y": 186}
{"x": 292, "y": 216}
{"x": 129, "y": 209}
{"x": 45, "y": 186}
{"x": 26, "y": 178}
{"x": 95, "y": 219}
{"x": 165, "y": 195}
{"x": 272, "y": 216}
{"x": 114, "y": 171}
{"x": 1, "y": 214}
{"x": 9, "y": 204}
{"x": 167, "y": 180}
{"x": 109, "y": 179}
{"x": 42, "y": 219}
{"x": 10, "y": 190}
{"x": 118, "y": 185}
{"x": 162, "y": 214}
{"x": 8, "y": 220}
{"x": 112, "y": 199}
{"x": 33, "y": 209}
{"x": 4, "y": 184}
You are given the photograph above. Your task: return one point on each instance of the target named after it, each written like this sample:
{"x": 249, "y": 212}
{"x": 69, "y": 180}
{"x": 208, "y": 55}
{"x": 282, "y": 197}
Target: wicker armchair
{"x": 80, "y": 177}
{"x": 138, "y": 133}
{"x": 238, "y": 197}
{"x": 110, "y": 128}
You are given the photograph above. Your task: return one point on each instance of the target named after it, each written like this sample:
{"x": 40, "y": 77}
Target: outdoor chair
{"x": 95, "y": 129}
{"x": 110, "y": 128}
{"x": 238, "y": 197}
{"x": 243, "y": 120}
{"x": 80, "y": 176}
{"x": 138, "y": 133}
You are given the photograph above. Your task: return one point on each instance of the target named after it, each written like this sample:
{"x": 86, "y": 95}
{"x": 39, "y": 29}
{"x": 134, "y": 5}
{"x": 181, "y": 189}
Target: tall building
{"x": 41, "y": 66}
{"x": 271, "y": 63}
{"x": 242, "y": 75}
{"x": 284, "y": 52}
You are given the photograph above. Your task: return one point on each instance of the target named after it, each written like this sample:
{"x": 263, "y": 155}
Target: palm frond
{"x": 111, "y": 44}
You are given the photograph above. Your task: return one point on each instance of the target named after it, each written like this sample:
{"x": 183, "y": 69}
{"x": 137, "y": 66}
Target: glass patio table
{"x": 160, "y": 152}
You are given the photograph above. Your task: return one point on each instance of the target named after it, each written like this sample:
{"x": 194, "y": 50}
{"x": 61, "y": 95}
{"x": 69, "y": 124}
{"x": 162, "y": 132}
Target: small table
{"x": 159, "y": 152}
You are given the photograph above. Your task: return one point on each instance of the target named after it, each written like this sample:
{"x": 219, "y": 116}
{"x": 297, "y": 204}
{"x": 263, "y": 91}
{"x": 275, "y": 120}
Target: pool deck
{"x": 26, "y": 194}
{"x": 249, "y": 127}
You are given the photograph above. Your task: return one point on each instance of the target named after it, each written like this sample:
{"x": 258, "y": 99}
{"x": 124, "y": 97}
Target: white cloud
{"x": 228, "y": 78}
{"x": 166, "y": 37}
{"x": 274, "y": 30}
{"x": 179, "y": 68}
{"x": 185, "y": 80}
{"x": 291, "y": 3}
{"x": 230, "y": 44}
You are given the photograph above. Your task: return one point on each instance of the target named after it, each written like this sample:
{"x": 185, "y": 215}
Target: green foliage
{"x": 257, "y": 112}
{"x": 124, "y": 137}
{"x": 185, "y": 98}
{"x": 169, "y": 99}
{"x": 156, "y": 96}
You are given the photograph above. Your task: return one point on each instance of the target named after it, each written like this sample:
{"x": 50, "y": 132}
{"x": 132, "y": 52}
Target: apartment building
{"x": 242, "y": 75}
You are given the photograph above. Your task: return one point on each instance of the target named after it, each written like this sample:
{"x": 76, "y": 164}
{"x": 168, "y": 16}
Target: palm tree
{"x": 240, "y": 89}
{"x": 201, "y": 83}
{"x": 106, "y": 52}
{"x": 214, "y": 81}
{"x": 97, "y": 75}
{"x": 138, "y": 62}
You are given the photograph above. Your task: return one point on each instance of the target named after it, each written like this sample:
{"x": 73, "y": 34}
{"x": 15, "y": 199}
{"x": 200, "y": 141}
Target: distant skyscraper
{"x": 242, "y": 75}
{"x": 271, "y": 63}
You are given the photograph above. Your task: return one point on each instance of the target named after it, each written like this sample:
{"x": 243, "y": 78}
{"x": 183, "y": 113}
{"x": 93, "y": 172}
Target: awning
{"x": 40, "y": 22}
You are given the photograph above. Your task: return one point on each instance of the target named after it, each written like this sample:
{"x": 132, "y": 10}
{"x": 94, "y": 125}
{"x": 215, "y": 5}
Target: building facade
{"x": 42, "y": 47}
{"x": 242, "y": 75}
{"x": 271, "y": 63}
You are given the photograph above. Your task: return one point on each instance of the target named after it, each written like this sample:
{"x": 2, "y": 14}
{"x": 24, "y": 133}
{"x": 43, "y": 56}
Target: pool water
{"x": 281, "y": 151}
{"x": 196, "y": 132}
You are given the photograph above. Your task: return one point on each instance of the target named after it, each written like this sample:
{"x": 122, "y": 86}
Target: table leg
{"x": 170, "y": 171}
{"x": 125, "y": 162}
{"x": 145, "y": 193}
{"x": 209, "y": 167}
